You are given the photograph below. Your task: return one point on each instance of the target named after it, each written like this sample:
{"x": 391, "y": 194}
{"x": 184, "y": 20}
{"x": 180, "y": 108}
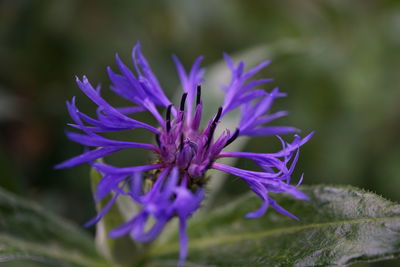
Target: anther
{"x": 168, "y": 115}
{"x": 210, "y": 135}
{"x": 168, "y": 126}
{"x": 213, "y": 126}
{"x": 183, "y": 100}
{"x": 198, "y": 98}
{"x": 168, "y": 118}
{"x": 218, "y": 116}
{"x": 233, "y": 137}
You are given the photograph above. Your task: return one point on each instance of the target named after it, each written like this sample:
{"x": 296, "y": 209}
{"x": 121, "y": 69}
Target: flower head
{"x": 183, "y": 151}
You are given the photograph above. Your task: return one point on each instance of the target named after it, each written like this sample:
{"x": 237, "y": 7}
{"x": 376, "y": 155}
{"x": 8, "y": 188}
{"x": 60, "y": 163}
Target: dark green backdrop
{"x": 338, "y": 60}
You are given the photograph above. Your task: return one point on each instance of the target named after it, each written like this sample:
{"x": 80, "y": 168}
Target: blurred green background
{"x": 339, "y": 61}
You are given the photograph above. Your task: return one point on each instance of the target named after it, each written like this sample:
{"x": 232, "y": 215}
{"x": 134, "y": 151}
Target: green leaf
{"x": 122, "y": 251}
{"x": 339, "y": 226}
{"x": 28, "y": 233}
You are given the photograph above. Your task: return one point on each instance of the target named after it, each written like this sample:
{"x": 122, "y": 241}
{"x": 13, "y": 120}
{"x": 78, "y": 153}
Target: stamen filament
{"x": 168, "y": 118}
{"x": 218, "y": 116}
{"x": 233, "y": 137}
{"x": 183, "y": 100}
{"x": 198, "y": 98}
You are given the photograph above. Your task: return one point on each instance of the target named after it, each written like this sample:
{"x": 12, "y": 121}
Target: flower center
{"x": 182, "y": 144}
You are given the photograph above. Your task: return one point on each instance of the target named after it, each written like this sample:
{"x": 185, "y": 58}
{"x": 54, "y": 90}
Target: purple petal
{"x": 186, "y": 202}
{"x": 254, "y": 83}
{"x": 131, "y": 79}
{"x": 279, "y": 209}
{"x": 189, "y": 83}
{"x": 293, "y": 146}
{"x": 144, "y": 70}
{"x": 96, "y": 140}
{"x": 108, "y": 169}
{"x": 87, "y": 88}
{"x": 86, "y": 157}
{"x": 140, "y": 235}
{"x": 170, "y": 185}
{"x": 269, "y": 130}
{"x": 183, "y": 240}
{"x": 157, "y": 186}
{"x": 106, "y": 185}
{"x": 124, "y": 228}
{"x": 300, "y": 180}
{"x": 260, "y": 190}
{"x": 181, "y": 72}
{"x": 130, "y": 110}
{"x": 282, "y": 187}
{"x": 229, "y": 62}
{"x": 271, "y": 117}
{"x": 122, "y": 87}
{"x": 102, "y": 212}
{"x": 256, "y": 69}
{"x": 136, "y": 186}
{"x": 252, "y": 175}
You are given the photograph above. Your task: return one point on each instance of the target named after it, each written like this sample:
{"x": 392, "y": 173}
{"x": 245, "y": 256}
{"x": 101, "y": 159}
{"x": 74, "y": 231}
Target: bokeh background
{"x": 338, "y": 60}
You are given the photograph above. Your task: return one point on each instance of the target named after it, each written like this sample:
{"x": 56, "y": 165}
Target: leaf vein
{"x": 224, "y": 239}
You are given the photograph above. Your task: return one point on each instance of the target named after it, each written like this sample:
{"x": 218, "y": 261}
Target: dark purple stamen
{"x": 210, "y": 135}
{"x": 168, "y": 115}
{"x": 198, "y": 98}
{"x": 213, "y": 126}
{"x": 218, "y": 116}
{"x": 168, "y": 126}
{"x": 168, "y": 118}
{"x": 183, "y": 100}
{"x": 232, "y": 138}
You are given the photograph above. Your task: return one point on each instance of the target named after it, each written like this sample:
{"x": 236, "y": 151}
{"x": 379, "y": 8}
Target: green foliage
{"x": 338, "y": 60}
{"x": 121, "y": 251}
{"x": 339, "y": 226}
{"x": 29, "y": 233}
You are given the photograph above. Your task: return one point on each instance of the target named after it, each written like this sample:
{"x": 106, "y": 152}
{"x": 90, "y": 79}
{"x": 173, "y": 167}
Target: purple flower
{"x": 183, "y": 151}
